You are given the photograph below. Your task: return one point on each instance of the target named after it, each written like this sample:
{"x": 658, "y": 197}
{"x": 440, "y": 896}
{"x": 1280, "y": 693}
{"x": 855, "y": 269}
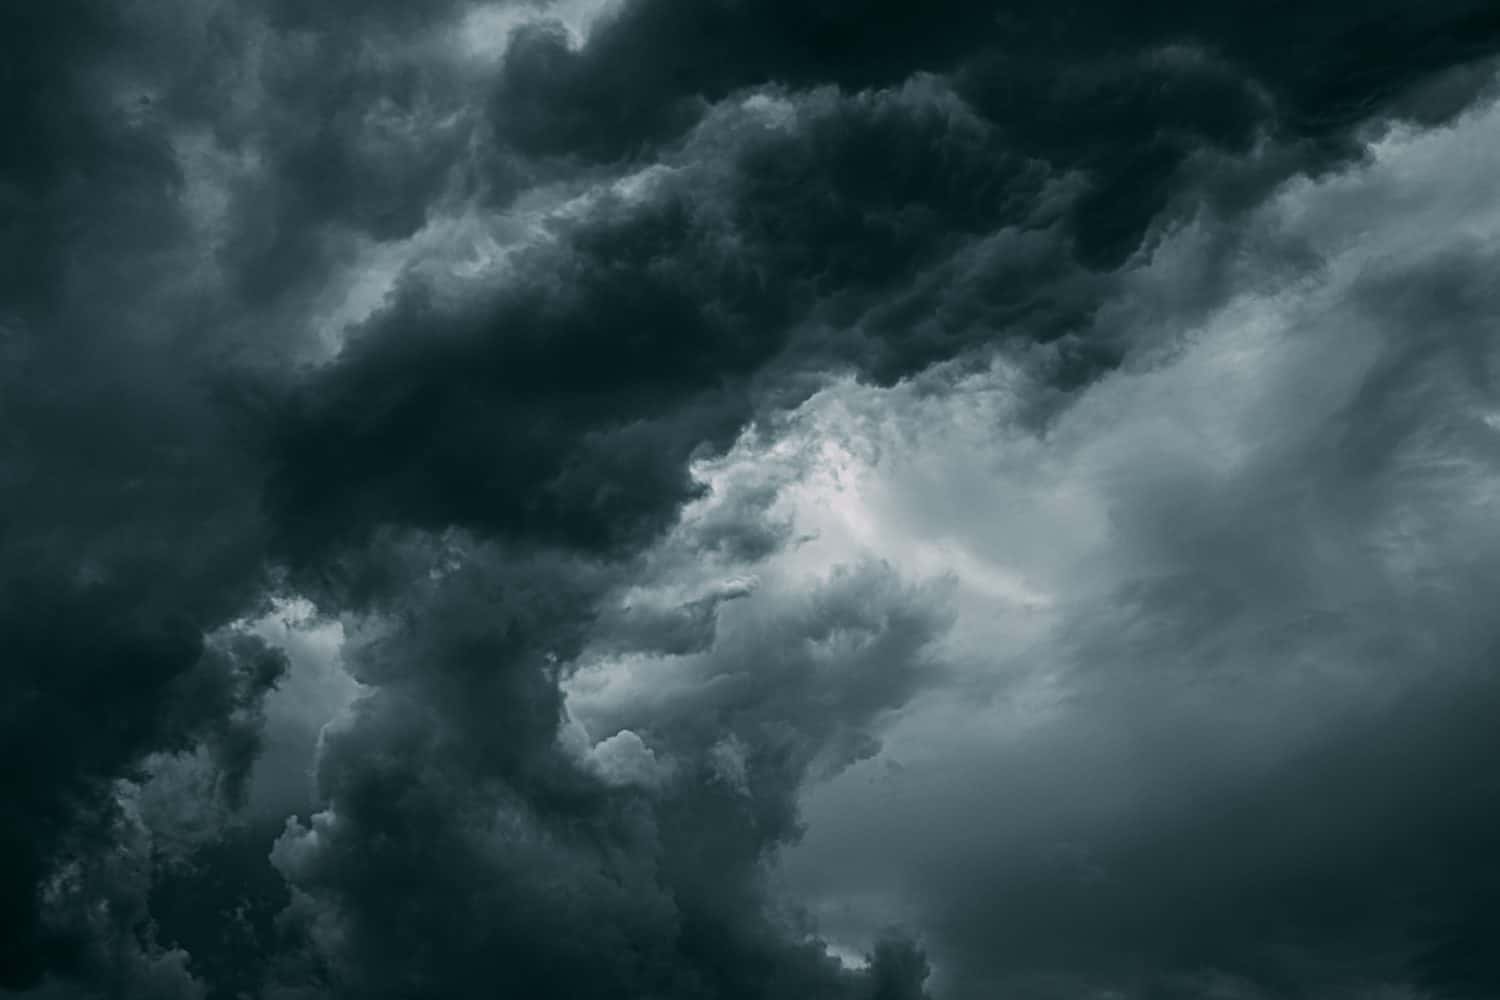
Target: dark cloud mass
{"x": 742, "y": 499}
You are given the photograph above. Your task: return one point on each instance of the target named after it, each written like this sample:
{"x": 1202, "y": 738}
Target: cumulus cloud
{"x": 757, "y": 499}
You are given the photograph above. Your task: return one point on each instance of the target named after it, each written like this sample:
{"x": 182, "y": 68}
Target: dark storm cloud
{"x": 68, "y": 152}
{"x": 645, "y": 328}
{"x": 96, "y": 682}
{"x": 737, "y": 199}
{"x": 357, "y": 139}
{"x": 125, "y": 535}
{"x": 463, "y": 849}
{"x": 1126, "y": 96}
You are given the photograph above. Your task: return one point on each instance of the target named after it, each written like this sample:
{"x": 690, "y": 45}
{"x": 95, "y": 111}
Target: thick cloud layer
{"x": 482, "y": 483}
{"x": 1223, "y": 669}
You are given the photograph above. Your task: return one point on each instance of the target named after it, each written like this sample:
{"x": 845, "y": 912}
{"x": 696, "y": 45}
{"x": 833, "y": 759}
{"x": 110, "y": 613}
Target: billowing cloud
{"x": 1217, "y": 725}
{"x": 644, "y": 498}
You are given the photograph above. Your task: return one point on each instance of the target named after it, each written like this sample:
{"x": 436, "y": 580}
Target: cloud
{"x": 1129, "y": 100}
{"x": 655, "y": 409}
{"x": 642, "y": 331}
{"x": 1230, "y": 715}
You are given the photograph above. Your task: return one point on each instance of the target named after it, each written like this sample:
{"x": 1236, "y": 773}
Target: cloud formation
{"x": 1223, "y": 673}
{"x": 746, "y": 499}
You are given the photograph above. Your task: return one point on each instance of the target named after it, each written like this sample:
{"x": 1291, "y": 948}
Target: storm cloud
{"x": 743, "y": 499}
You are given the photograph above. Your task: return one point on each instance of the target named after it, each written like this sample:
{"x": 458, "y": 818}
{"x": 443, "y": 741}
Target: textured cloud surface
{"x": 745, "y": 499}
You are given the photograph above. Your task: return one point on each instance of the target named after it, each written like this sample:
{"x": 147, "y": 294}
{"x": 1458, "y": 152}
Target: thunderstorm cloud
{"x": 749, "y": 500}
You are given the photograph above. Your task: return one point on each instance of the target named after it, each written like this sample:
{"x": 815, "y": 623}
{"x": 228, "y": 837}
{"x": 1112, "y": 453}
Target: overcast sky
{"x": 749, "y": 500}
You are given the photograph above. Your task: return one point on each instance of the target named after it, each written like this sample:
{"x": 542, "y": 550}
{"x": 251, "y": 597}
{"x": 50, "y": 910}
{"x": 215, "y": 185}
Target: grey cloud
{"x": 1242, "y": 749}
{"x": 462, "y": 848}
{"x": 1127, "y": 99}
{"x": 684, "y": 225}
{"x": 735, "y": 268}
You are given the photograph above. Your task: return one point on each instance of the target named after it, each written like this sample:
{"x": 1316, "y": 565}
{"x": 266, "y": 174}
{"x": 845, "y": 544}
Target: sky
{"x": 749, "y": 500}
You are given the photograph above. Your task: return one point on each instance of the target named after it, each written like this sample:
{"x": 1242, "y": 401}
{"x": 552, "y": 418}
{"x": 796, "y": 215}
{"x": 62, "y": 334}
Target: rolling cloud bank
{"x": 749, "y": 500}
